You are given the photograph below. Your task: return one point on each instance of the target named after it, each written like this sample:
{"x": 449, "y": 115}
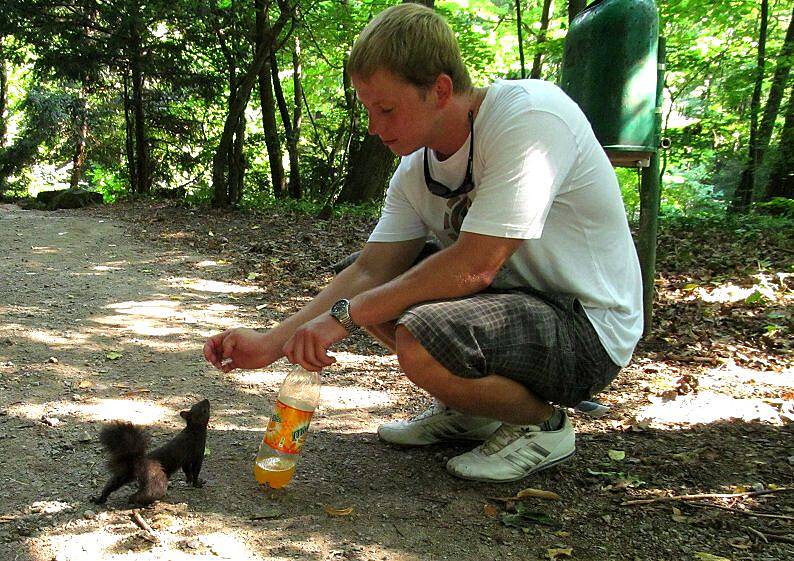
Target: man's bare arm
{"x": 467, "y": 267}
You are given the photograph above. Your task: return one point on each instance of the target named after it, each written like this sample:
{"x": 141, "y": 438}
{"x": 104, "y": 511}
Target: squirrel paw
{"x": 98, "y": 500}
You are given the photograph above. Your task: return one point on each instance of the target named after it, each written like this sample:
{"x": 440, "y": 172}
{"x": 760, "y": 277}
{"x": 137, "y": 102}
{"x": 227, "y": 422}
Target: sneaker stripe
{"x": 530, "y": 455}
{"x": 540, "y": 449}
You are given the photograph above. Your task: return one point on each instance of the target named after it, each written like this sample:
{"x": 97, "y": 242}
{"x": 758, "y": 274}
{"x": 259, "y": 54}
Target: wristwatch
{"x": 341, "y": 312}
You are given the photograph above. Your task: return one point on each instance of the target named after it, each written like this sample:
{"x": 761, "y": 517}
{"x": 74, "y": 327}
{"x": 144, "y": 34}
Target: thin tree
{"x": 268, "y": 105}
{"x": 744, "y": 192}
{"x": 3, "y": 95}
{"x": 781, "y": 176}
{"x": 537, "y": 63}
{"x": 520, "y": 39}
{"x": 776, "y": 93}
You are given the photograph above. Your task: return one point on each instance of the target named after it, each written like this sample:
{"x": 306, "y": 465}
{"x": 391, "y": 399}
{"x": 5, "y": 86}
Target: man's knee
{"x": 412, "y": 356}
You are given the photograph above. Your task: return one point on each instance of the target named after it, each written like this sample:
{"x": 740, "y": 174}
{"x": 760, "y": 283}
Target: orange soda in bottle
{"x": 286, "y": 431}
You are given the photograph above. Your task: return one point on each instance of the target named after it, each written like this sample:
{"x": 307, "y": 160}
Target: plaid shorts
{"x": 543, "y": 341}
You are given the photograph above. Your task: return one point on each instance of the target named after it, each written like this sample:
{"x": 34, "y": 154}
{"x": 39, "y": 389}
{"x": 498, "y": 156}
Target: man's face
{"x": 398, "y": 112}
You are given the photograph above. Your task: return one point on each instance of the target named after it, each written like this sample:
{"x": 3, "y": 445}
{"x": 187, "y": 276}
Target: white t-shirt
{"x": 540, "y": 176}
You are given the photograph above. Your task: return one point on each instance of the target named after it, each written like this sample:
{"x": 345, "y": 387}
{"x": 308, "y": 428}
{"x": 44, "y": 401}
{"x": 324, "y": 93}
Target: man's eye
{"x": 386, "y": 110}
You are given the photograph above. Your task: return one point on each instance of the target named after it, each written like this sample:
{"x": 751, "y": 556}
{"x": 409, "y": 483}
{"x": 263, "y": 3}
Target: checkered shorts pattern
{"x": 543, "y": 341}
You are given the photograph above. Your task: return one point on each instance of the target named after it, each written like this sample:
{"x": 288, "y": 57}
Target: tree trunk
{"x": 289, "y": 133}
{"x": 537, "y": 63}
{"x": 3, "y": 97}
{"x": 520, "y": 39}
{"x": 129, "y": 127}
{"x": 371, "y": 164}
{"x": 239, "y": 101}
{"x": 237, "y": 163}
{"x": 142, "y": 171}
{"x": 272, "y": 141}
{"x": 81, "y": 133}
{"x": 781, "y": 177}
{"x": 574, "y": 7}
{"x": 295, "y": 190}
{"x": 744, "y": 192}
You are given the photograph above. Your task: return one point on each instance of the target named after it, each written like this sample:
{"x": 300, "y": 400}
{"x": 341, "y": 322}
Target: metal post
{"x": 650, "y": 195}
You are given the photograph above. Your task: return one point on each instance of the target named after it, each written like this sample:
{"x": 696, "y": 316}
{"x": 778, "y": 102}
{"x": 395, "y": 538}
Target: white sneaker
{"x": 514, "y": 452}
{"x": 436, "y": 424}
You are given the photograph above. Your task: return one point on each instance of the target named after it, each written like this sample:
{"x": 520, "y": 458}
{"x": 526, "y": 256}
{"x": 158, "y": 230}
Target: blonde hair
{"x": 412, "y": 42}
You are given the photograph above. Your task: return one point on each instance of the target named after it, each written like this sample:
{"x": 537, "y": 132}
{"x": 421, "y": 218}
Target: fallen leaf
{"x": 113, "y": 355}
{"x": 678, "y": 516}
{"x": 85, "y": 384}
{"x": 523, "y": 517}
{"x": 616, "y": 455}
{"x": 556, "y": 552}
{"x": 339, "y": 511}
{"x": 703, "y": 556}
{"x": 490, "y": 511}
{"x": 530, "y": 493}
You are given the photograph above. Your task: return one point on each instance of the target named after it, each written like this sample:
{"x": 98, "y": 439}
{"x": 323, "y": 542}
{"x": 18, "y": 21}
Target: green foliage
{"x": 778, "y": 206}
{"x": 108, "y": 182}
{"x": 79, "y": 57}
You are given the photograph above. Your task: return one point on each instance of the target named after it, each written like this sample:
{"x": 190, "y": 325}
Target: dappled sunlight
{"x": 94, "y": 544}
{"x": 769, "y": 287}
{"x": 205, "y": 285}
{"x": 209, "y": 263}
{"x": 683, "y": 411}
{"x": 105, "y": 268}
{"x": 344, "y": 358}
{"x": 46, "y": 337}
{"x": 256, "y": 379}
{"x": 149, "y": 308}
{"x": 160, "y": 318}
{"x": 29, "y": 311}
{"x": 138, "y": 412}
{"x": 43, "y": 249}
{"x": 732, "y": 373}
{"x": 352, "y": 397}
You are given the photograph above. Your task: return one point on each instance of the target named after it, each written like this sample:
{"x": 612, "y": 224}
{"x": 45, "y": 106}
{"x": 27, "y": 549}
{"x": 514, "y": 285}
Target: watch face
{"x": 339, "y": 307}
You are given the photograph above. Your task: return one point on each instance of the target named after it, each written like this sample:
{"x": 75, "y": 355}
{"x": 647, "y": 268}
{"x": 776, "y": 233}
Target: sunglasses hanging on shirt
{"x": 441, "y": 190}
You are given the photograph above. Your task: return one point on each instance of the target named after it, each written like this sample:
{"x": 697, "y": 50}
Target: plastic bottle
{"x": 286, "y": 431}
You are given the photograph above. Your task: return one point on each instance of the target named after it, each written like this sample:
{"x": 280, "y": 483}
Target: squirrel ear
{"x": 184, "y": 414}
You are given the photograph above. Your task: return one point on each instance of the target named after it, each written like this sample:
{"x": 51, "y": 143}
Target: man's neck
{"x": 455, "y": 127}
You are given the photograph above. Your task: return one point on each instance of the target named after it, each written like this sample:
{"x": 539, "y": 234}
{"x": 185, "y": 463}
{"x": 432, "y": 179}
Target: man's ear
{"x": 443, "y": 89}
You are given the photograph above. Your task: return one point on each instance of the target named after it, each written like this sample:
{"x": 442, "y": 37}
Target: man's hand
{"x": 308, "y": 346}
{"x": 240, "y": 348}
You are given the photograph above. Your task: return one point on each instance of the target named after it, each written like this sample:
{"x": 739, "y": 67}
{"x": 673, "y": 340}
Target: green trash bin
{"x": 610, "y": 69}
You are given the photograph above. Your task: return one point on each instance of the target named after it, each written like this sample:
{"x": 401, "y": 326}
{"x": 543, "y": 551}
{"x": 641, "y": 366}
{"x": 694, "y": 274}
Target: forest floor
{"x": 104, "y": 313}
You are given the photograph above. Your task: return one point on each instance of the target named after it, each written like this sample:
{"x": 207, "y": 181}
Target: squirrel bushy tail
{"x": 126, "y": 445}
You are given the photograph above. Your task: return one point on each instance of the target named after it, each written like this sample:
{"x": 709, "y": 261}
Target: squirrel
{"x": 128, "y": 461}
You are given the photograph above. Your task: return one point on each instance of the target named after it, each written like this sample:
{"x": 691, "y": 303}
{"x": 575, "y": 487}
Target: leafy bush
{"x": 106, "y": 181}
{"x": 778, "y": 206}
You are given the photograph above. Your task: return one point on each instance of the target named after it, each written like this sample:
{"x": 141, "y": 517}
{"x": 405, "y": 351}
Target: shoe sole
{"x": 592, "y": 409}
{"x": 536, "y": 470}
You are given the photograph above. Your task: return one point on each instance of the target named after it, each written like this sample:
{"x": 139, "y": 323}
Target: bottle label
{"x": 286, "y": 431}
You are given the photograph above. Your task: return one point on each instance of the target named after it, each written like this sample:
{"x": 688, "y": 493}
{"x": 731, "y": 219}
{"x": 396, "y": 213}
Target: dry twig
{"x": 699, "y": 496}
{"x": 745, "y": 512}
{"x": 143, "y": 525}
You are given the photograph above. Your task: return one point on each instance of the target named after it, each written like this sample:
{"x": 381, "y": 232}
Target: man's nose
{"x": 373, "y": 127}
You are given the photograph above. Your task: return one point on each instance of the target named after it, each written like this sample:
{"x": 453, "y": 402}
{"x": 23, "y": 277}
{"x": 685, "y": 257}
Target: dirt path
{"x": 97, "y": 324}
